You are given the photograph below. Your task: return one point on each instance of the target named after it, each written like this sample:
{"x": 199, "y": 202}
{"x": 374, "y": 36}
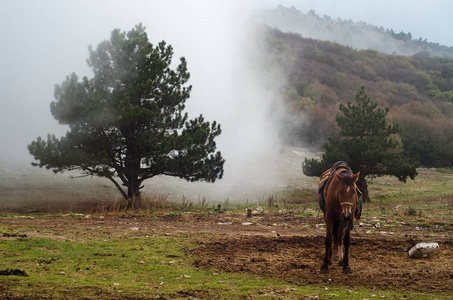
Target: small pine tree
{"x": 365, "y": 142}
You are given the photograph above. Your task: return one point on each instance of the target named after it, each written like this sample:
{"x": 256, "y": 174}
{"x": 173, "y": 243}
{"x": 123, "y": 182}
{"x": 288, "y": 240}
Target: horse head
{"x": 347, "y": 192}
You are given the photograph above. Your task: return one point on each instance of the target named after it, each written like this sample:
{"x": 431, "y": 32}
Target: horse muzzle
{"x": 347, "y": 215}
{"x": 346, "y": 210}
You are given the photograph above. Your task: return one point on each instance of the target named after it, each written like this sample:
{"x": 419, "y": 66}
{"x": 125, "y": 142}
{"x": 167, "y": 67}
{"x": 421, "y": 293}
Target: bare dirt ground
{"x": 277, "y": 245}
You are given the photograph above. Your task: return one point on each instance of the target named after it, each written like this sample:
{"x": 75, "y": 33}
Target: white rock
{"x": 422, "y": 250}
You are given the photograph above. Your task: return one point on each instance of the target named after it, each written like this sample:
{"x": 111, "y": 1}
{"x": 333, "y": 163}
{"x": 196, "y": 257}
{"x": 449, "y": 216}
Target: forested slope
{"x": 317, "y": 75}
{"x": 358, "y": 35}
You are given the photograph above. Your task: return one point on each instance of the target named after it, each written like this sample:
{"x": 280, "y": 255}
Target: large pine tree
{"x": 365, "y": 143}
{"x": 127, "y": 123}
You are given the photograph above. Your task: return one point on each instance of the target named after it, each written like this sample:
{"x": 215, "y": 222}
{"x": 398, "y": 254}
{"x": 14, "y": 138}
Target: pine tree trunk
{"x": 132, "y": 164}
{"x": 134, "y": 199}
{"x": 363, "y": 186}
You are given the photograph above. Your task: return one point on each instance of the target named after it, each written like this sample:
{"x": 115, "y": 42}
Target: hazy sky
{"x": 44, "y": 41}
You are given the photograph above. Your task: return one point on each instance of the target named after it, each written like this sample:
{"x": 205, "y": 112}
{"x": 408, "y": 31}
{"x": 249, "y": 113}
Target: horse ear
{"x": 337, "y": 177}
{"x": 356, "y": 176}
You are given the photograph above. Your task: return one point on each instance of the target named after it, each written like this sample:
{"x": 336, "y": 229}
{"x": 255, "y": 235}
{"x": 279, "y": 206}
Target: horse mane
{"x": 347, "y": 178}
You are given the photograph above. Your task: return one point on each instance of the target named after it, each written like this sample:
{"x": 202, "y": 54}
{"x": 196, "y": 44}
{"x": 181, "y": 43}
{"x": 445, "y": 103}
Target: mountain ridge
{"x": 358, "y": 35}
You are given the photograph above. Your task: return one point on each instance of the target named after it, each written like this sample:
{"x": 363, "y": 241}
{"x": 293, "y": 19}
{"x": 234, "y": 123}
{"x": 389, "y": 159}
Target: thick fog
{"x": 44, "y": 41}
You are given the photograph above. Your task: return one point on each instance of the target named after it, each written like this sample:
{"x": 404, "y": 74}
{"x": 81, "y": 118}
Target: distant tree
{"x": 127, "y": 123}
{"x": 312, "y": 12}
{"x": 365, "y": 143}
{"x": 425, "y": 133}
{"x": 422, "y": 137}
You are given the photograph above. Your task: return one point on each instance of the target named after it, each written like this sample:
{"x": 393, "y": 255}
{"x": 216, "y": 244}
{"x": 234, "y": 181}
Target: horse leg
{"x": 330, "y": 256}
{"x": 347, "y": 239}
{"x": 337, "y": 235}
{"x": 340, "y": 256}
{"x": 334, "y": 239}
{"x": 328, "y": 244}
{"x": 340, "y": 253}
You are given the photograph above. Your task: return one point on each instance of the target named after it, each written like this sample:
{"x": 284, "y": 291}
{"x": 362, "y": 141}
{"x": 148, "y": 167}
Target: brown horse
{"x": 338, "y": 198}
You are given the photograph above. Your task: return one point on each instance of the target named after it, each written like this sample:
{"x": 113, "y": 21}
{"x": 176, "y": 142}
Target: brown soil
{"x": 279, "y": 246}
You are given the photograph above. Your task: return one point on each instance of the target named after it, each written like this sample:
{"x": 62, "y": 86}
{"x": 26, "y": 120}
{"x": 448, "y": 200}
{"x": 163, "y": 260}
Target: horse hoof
{"x": 340, "y": 263}
{"x": 347, "y": 270}
{"x": 324, "y": 271}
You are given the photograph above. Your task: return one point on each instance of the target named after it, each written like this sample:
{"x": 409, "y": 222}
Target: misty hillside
{"x": 318, "y": 75}
{"x": 358, "y": 35}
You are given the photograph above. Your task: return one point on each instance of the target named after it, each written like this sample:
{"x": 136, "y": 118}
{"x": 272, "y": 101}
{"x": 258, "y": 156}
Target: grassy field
{"x": 66, "y": 255}
{"x": 147, "y": 268}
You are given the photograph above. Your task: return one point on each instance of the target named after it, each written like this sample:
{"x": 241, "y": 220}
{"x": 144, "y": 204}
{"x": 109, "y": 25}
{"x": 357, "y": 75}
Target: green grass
{"x": 131, "y": 268}
{"x": 428, "y": 185}
{"x": 445, "y": 171}
{"x": 304, "y": 215}
{"x": 87, "y": 268}
{"x": 140, "y": 268}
